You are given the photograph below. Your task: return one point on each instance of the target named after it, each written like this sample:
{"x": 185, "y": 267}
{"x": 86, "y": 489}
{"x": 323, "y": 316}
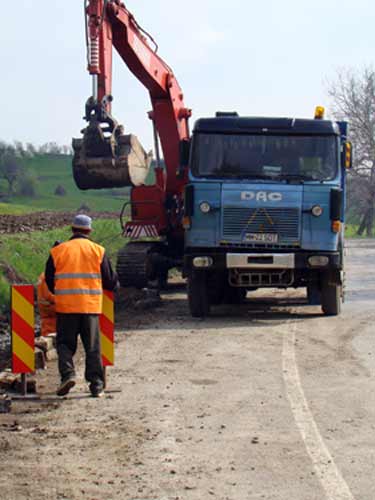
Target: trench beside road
{"x": 270, "y": 400}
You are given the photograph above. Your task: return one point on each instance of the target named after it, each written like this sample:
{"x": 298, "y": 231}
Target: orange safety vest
{"x": 46, "y": 304}
{"x": 78, "y": 281}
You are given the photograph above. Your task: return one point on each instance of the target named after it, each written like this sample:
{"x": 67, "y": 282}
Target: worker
{"x": 46, "y": 305}
{"x": 76, "y": 272}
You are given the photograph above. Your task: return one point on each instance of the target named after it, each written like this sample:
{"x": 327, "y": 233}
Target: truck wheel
{"x": 197, "y": 289}
{"x": 216, "y": 287}
{"x": 314, "y": 296}
{"x": 234, "y": 295}
{"x": 331, "y": 298}
{"x": 163, "y": 279}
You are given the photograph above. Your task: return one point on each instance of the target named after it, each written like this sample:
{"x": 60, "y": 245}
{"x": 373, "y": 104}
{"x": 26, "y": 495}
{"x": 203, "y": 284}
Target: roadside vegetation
{"x": 23, "y": 256}
{"x": 351, "y": 231}
{"x": 13, "y": 209}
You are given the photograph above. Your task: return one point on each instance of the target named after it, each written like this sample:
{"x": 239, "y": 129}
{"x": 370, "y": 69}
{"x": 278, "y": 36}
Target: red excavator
{"x": 106, "y": 157}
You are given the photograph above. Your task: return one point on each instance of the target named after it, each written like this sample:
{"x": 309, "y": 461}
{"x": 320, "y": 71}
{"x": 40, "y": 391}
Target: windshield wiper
{"x": 254, "y": 176}
{"x": 296, "y": 177}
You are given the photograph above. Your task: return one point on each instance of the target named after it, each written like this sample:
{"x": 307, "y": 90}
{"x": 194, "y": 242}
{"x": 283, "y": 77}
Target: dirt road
{"x": 271, "y": 401}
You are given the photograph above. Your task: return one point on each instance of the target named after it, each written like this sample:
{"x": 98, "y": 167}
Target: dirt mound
{"x": 43, "y": 221}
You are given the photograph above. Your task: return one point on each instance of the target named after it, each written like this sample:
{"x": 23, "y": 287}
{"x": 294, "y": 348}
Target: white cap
{"x": 82, "y": 221}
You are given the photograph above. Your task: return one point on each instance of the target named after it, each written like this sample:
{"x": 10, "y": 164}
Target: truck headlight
{"x": 318, "y": 260}
{"x": 203, "y": 261}
{"x": 317, "y": 210}
{"x": 205, "y": 207}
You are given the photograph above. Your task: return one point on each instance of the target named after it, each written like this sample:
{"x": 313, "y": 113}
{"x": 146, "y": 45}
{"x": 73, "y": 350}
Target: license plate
{"x": 261, "y": 237}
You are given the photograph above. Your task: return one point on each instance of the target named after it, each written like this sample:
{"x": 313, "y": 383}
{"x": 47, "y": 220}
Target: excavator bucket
{"x": 109, "y": 160}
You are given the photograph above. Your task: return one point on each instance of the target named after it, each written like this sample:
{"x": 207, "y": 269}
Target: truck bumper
{"x": 302, "y": 260}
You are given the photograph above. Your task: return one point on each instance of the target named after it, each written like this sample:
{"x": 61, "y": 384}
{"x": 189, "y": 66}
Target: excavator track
{"x": 134, "y": 264}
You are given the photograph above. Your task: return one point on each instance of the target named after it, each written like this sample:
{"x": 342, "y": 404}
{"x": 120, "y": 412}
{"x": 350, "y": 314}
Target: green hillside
{"x": 47, "y": 172}
{"x": 53, "y": 171}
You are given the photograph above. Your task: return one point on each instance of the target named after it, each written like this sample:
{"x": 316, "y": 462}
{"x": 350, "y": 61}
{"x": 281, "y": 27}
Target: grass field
{"x": 351, "y": 231}
{"x": 50, "y": 171}
{"x": 27, "y": 253}
{"x": 13, "y": 209}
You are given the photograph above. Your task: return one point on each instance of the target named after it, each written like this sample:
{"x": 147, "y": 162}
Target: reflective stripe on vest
{"x": 78, "y": 284}
{"x": 67, "y": 276}
{"x": 77, "y": 291}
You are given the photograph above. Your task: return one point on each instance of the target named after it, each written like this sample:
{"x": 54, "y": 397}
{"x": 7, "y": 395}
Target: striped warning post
{"x": 22, "y": 323}
{"x": 107, "y": 329}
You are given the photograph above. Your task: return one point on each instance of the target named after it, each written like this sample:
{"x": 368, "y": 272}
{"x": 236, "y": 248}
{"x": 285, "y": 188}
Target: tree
{"x": 30, "y": 150}
{"x": 27, "y": 186}
{"x": 67, "y": 150}
{"x": 60, "y": 190}
{"x": 19, "y": 149}
{"x": 51, "y": 148}
{"x": 10, "y": 168}
{"x": 353, "y": 99}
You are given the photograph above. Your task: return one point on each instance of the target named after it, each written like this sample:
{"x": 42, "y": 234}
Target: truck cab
{"x": 264, "y": 207}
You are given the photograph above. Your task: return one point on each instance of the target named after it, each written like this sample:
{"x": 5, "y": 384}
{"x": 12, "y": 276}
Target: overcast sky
{"x": 257, "y": 57}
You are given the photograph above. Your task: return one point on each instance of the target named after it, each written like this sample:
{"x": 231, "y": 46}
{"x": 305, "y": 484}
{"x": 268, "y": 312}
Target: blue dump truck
{"x": 265, "y": 207}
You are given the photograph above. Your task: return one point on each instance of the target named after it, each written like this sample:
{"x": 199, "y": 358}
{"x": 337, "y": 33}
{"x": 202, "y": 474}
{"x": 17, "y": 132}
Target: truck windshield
{"x": 305, "y": 158}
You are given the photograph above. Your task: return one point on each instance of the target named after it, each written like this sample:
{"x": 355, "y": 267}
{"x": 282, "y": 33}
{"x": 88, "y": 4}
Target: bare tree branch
{"x": 353, "y": 99}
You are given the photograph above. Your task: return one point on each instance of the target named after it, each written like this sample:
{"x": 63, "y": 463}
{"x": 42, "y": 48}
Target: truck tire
{"x": 216, "y": 287}
{"x": 234, "y": 295}
{"x": 314, "y": 295}
{"x": 331, "y": 298}
{"x": 197, "y": 288}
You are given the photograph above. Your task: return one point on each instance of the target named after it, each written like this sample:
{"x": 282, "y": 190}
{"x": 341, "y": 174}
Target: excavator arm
{"x": 106, "y": 157}
{"x": 104, "y": 149}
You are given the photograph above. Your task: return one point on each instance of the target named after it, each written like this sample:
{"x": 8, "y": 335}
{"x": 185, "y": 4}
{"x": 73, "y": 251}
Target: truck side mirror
{"x": 336, "y": 204}
{"x": 347, "y": 155}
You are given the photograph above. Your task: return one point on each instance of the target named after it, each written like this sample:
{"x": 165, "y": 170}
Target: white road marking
{"x": 329, "y": 475}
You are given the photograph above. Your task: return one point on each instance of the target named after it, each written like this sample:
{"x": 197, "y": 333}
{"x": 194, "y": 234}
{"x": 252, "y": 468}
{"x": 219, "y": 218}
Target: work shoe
{"x": 97, "y": 394}
{"x": 97, "y": 391}
{"x": 65, "y": 386}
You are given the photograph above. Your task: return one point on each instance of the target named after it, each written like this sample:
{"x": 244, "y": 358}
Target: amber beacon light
{"x": 319, "y": 113}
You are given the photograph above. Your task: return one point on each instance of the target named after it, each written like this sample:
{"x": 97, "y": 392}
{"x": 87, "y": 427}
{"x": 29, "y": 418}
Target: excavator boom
{"x": 105, "y": 156}
{"x": 110, "y": 24}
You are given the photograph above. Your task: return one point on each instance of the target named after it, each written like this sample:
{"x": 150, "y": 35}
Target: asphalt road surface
{"x": 270, "y": 400}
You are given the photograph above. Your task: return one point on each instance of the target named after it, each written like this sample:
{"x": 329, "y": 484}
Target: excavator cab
{"x": 105, "y": 157}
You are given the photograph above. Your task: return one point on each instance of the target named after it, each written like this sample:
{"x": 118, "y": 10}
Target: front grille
{"x": 242, "y": 278}
{"x": 282, "y": 221}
